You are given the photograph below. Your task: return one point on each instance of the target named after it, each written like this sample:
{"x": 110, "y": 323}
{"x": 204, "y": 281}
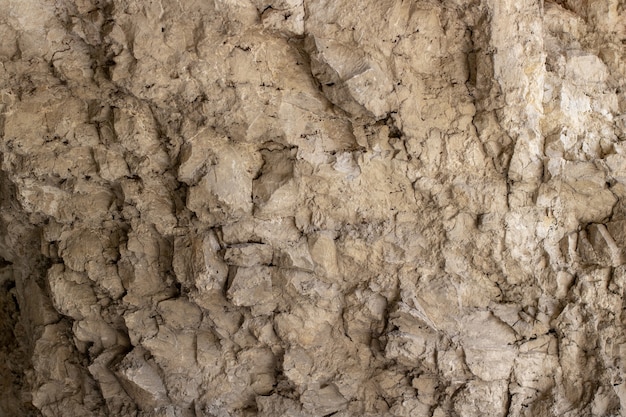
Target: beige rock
{"x": 252, "y": 287}
{"x": 112, "y": 391}
{"x": 144, "y": 265}
{"x": 277, "y": 231}
{"x": 141, "y": 324}
{"x": 226, "y": 187}
{"x": 111, "y": 164}
{"x": 141, "y": 380}
{"x": 168, "y": 340}
{"x": 479, "y": 398}
{"x": 323, "y": 401}
{"x": 180, "y": 313}
{"x": 324, "y": 253}
{"x": 374, "y": 208}
{"x": 249, "y": 254}
{"x": 489, "y": 346}
{"x": 71, "y": 293}
{"x": 197, "y": 263}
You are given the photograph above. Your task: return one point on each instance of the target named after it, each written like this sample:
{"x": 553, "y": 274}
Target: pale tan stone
{"x": 303, "y": 208}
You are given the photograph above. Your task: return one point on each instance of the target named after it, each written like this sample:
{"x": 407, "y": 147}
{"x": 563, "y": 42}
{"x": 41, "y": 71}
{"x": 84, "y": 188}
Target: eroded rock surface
{"x": 312, "y": 207}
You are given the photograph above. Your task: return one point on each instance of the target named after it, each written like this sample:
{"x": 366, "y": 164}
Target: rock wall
{"x": 312, "y": 208}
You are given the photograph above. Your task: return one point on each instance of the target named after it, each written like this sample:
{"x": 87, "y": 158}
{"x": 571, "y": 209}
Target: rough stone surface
{"x": 230, "y": 208}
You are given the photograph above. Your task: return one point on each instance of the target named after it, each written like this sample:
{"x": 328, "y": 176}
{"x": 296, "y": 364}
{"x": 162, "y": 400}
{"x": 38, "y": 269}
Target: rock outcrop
{"x": 312, "y": 208}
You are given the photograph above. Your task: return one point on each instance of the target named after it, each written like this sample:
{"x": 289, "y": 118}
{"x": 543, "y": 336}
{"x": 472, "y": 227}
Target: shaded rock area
{"x": 226, "y": 208}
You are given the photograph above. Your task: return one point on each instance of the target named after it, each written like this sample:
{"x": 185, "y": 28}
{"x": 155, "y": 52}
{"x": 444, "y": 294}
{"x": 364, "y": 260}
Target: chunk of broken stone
{"x": 197, "y": 263}
{"x": 141, "y": 380}
{"x": 167, "y": 340}
{"x": 323, "y": 401}
{"x": 296, "y": 255}
{"x": 72, "y": 293}
{"x": 252, "y": 287}
{"x": 143, "y": 262}
{"x": 351, "y": 80}
{"x": 179, "y": 313}
{"x": 226, "y": 188}
{"x": 489, "y": 346}
{"x": 249, "y": 254}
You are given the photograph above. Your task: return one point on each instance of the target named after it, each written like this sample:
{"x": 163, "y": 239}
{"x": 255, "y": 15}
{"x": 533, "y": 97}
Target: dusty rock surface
{"x": 312, "y": 208}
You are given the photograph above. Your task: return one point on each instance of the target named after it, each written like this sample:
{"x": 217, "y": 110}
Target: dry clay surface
{"x": 227, "y": 208}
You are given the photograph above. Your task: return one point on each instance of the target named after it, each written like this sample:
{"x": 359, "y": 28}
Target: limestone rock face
{"x": 228, "y": 208}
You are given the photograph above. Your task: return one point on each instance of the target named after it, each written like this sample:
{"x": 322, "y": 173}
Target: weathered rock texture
{"x": 312, "y": 208}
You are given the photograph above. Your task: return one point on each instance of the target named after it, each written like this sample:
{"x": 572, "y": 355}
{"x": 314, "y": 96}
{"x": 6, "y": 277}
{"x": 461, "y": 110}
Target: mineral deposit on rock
{"x": 230, "y": 208}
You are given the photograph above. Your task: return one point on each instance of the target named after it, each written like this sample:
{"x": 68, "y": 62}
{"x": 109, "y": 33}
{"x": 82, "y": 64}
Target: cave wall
{"x": 312, "y": 208}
